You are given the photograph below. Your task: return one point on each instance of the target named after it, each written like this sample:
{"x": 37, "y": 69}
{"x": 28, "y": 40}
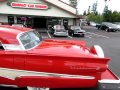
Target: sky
{"x": 83, "y": 5}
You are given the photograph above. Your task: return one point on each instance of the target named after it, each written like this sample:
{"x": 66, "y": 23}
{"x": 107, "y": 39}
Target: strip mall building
{"x": 37, "y": 13}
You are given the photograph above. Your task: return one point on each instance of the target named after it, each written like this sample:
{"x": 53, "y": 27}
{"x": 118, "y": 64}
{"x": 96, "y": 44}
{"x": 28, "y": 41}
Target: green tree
{"x": 94, "y": 17}
{"x": 110, "y": 16}
{"x": 107, "y": 16}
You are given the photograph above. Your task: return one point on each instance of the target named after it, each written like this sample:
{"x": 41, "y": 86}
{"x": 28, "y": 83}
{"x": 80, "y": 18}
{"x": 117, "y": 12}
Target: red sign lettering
{"x": 40, "y": 6}
{"x": 31, "y": 5}
{"x": 18, "y": 4}
{"x": 28, "y": 5}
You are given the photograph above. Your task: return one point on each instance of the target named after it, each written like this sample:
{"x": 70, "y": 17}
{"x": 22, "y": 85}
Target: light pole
{"x": 105, "y": 8}
{"x": 105, "y": 2}
{"x": 94, "y": 7}
{"x": 104, "y": 11}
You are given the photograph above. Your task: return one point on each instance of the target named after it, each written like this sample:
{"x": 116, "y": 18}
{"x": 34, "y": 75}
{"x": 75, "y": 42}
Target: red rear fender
{"x": 55, "y": 82}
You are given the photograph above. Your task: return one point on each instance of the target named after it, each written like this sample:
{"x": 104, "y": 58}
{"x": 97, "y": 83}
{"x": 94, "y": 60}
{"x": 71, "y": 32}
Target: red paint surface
{"x": 55, "y": 82}
{"x": 7, "y": 81}
{"x": 108, "y": 75}
{"x": 8, "y": 34}
{"x": 52, "y": 56}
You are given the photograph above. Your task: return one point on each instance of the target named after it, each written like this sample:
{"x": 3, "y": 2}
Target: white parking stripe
{"x": 48, "y": 34}
{"x": 69, "y": 36}
{"x": 97, "y": 34}
{"x": 89, "y": 36}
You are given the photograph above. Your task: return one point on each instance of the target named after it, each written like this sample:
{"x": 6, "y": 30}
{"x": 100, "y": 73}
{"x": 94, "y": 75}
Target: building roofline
{"x": 66, "y": 4}
{"x": 62, "y": 8}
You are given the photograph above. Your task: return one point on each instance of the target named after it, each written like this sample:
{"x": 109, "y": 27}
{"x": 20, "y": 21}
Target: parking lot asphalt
{"x": 109, "y": 41}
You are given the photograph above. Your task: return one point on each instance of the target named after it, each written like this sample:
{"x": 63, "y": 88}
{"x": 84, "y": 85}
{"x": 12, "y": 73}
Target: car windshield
{"x": 75, "y": 27}
{"x": 30, "y": 39}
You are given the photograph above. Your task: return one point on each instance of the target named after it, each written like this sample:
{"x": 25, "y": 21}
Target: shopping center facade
{"x": 37, "y": 13}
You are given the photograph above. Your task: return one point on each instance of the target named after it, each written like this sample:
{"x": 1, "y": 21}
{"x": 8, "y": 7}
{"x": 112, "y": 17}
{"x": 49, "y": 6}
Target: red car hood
{"x": 65, "y": 48}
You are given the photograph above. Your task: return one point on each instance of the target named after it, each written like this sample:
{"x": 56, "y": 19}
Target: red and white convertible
{"x": 28, "y": 61}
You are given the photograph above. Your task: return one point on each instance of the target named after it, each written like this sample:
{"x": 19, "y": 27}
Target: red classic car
{"x": 28, "y": 61}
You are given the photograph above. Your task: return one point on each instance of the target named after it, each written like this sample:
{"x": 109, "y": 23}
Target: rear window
{"x": 60, "y": 30}
{"x": 58, "y": 27}
{"x": 75, "y": 27}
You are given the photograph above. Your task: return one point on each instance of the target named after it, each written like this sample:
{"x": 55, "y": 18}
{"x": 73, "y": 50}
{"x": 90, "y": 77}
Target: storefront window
{"x": 26, "y": 21}
{"x": 51, "y": 22}
{"x": 19, "y": 20}
{"x": 11, "y": 20}
{"x": 65, "y": 23}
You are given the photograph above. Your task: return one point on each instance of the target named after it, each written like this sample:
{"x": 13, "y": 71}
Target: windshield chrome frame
{"x": 18, "y": 38}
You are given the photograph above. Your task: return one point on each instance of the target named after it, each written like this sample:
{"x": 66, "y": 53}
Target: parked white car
{"x": 18, "y": 25}
{"x": 59, "y": 30}
{"x": 93, "y": 24}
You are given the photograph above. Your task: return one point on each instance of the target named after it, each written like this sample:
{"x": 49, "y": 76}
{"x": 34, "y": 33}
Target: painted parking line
{"x": 49, "y": 34}
{"x": 97, "y": 35}
{"x": 70, "y": 36}
{"x": 88, "y": 36}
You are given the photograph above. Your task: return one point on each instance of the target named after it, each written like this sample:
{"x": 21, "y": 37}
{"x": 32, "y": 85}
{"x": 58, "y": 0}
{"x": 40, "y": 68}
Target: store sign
{"x": 28, "y": 5}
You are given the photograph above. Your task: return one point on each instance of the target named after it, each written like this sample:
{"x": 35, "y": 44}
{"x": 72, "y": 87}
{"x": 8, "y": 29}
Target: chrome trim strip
{"x": 109, "y": 81}
{"x": 4, "y": 85}
{"x": 18, "y": 36}
{"x": 13, "y": 73}
{"x": 33, "y": 88}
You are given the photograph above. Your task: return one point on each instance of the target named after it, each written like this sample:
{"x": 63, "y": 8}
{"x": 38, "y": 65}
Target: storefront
{"x": 37, "y": 13}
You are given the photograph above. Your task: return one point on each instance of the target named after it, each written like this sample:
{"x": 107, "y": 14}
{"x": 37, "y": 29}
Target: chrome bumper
{"x": 109, "y": 84}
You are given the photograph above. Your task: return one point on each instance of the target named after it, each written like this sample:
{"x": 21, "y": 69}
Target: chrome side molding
{"x": 109, "y": 84}
{"x": 32, "y": 88}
